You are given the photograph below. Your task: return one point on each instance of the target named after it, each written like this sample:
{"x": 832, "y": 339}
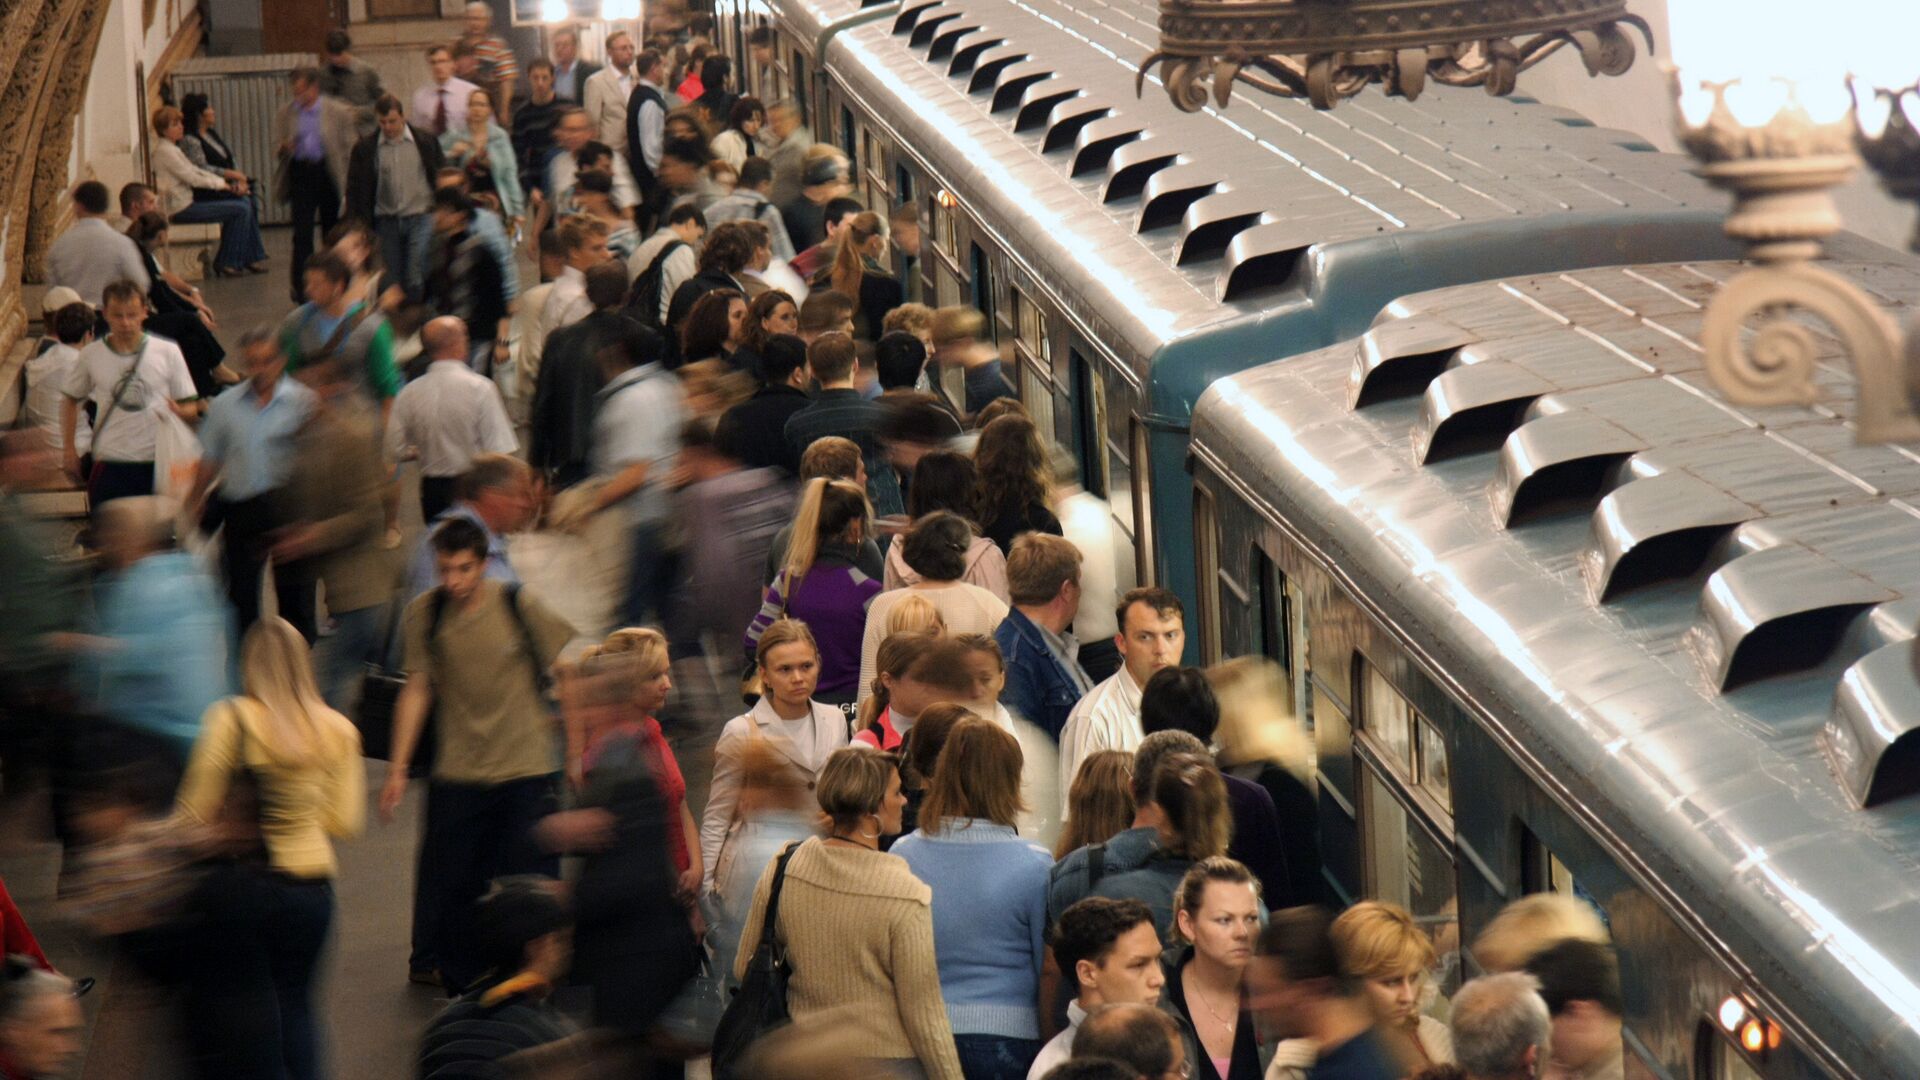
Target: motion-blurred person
{"x": 789, "y": 139}
{"x": 711, "y": 388}
{"x": 351, "y": 79}
{"x": 724, "y": 259}
{"x": 464, "y": 282}
{"x": 1111, "y": 955}
{"x": 477, "y": 653}
{"x": 1015, "y": 483}
{"x": 754, "y": 431}
{"x": 830, "y": 458}
{"x": 448, "y": 417}
{"x": 823, "y": 178}
{"x": 484, "y": 152}
{"x": 248, "y": 444}
{"x": 823, "y": 312}
{"x": 303, "y": 761}
{"x": 920, "y": 751}
{"x": 1380, "y": 945}
{"x": 731, "y": 514}
{"x": 1140, "y": 1036}
{"x": 1152, "y": 632}
{"x": 1106, "y": 567}
{"x": 440, "y": 105}
{"x": 593, "y": 195}
{"x": 1531, "y": 925}
{"x": 751, "y": 200}
{"x": 990, "y": 899}
{"x": 652, "y": 684}
{"x": 42, "y": 1030}
{"x": 39, "y": 600}
{"x": 530, "y": 329}
{"x": 523, "y": 934}
{"x": 1217, "y": 915}
{"x": 1044, "y": 677}
{"x": 498, "y": 70}
{"x": 161, "y": 652}
{"x": 1182, "y": 699}
{"x": 495, "y": 495}
{"x": 534, "y": 117}
{"x": 736, "y": 143}
{"x": 1261, "y": 741}
{"x": 820, "y": 585}
{"x": 1298, "y": 990}
{"x": 877, "y": 972}
{"x": 838, "y": 408}
{"x": 635, "y": 944}
{"x": 390, "y": 188}
{"x": 813, "y": 262}
{"x": 570, "y": 73}
{"x": 663, "y": 262}
{"x": 1076, "y": 873}
{"x": 331, "y": 326}
{"x": 716, "y": 98}
{"x": 128, "y": 375}
{"x": 1501, "y": 1028}
{"x": 936, "y": 549}
{"x": 1580, "y": 982}
{"x": 1040, "y": 797}
{"x": 334, "y": 528}
{"x": 560, "y": 439}
{"x": 787, "y": 719}
{"x": 1193, "y": 825}
{"x": 646, "y": 119}
{"x": 916, "y": 321}
{"x": 314, "y": 134}
{"x": 775, "y": 808}
{"x": 585, "y": 239}
{"x": 915, "y": 426}
{"x": 956, "y": 343}
{"x": 895, "y": 698}
{"x": 1099, "y": 801}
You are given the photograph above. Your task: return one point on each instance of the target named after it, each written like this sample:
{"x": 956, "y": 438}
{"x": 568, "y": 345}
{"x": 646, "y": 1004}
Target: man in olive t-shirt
{"x": 477, "y": 651}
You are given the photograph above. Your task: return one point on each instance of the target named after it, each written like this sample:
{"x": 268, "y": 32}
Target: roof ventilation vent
{"x": 965, "y": 56}
{"x": 1398, "y": 358}
{"x": 1069, "y": 119}
{"x": 1654, "y": 529}
{"x": 926, "y": 28}
{"x": 944, "y": 42}
{"x": 987, "y": 71}
{"x": 1558, "y": 462}
{"x": 1171, "y": 191}
{"x": 1471, "y": 408}
{"x": 1099, "y": 140}
{"x": 1776, "y": 612}
{"x": 1872, "y": 739}
{"x": 910, "y": 14}
{"x": 1014, "y": 84}
{"x": 1040, "y": 106}
{"x": 1263, "y": 259}
{"x": 1133, "y": 165}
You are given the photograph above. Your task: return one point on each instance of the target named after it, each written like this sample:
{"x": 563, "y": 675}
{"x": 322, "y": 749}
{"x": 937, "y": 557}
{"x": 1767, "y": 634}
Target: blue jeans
{"x": 656, "y": 571}
{"x": 240, "y": 244}
{"x": 342, "y": 657}
{"x": 298, "y": 915}
{"x": 404, "y": 244}
{"x": 995, "y": 1057}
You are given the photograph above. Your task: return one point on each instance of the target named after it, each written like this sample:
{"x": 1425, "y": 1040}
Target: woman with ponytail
{"x": 821, "y": 586}
{"x": 856, "y": 272}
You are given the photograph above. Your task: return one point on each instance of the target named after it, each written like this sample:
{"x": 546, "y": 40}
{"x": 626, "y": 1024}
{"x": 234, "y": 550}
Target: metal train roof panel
{"x": 816, "y": 21}
{"x": 1728, "y": 672}
{"x": 1192, "y": 244}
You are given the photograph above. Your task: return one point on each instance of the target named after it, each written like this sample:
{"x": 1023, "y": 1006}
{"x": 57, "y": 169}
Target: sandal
{"x": 229, "y": 271}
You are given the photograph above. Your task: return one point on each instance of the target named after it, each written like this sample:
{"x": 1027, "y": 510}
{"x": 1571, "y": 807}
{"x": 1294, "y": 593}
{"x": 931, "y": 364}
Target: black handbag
{"x": 759, "y": 1006}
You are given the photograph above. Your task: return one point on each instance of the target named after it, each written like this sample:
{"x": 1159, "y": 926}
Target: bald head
{"x": 445, "y": 338}
{"x": 1139, "y": 1036}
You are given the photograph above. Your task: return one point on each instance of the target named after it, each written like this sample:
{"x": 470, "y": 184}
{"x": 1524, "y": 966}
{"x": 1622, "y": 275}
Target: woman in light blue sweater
{"x": 989, "y": 899}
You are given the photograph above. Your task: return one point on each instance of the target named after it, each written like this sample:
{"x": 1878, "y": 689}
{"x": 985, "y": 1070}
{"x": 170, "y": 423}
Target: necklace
{"x": 1225, "y": 1024}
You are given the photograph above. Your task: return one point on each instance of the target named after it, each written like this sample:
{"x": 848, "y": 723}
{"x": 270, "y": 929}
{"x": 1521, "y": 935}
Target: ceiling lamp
{"x": 1327, "y": 50}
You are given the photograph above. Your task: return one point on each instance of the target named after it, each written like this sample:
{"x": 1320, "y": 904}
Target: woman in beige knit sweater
{"x": 858, "y": 926}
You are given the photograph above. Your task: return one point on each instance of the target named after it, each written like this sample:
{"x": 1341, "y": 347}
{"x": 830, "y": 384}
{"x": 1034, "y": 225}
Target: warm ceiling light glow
{"x": 620, "y": 9}
{"x": 945, "y": 198}
{"x": 1773, "y": 1035}
{"x": 554, "y": 11}
{"x": 1753, "y": 1037}
{"x": 1731, "y": 1013}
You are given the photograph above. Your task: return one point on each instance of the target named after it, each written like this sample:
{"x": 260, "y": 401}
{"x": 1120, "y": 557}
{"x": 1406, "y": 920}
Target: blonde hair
{"x": 1256, "y": 723}
{"x": 1378, "y": 940}
{"x": 780, "y": 632}
{"x": 915, "y": 614}
{"x": 1191, "y": 894}
{"x": 898, "y": 651}
{"x": 647, "y": 646}
{"x": 977, "y": 775}
{"x": 1529, "y": 925}
{"x": 828, "y": 508}
{"x": 164, "y": 117}
{"x": 767, "y": 778}
{"x": 957, "y": 323}
{"x": 915, "y": 319}
{"x": 1100, "y": 801}
{"x": 716, "y": 379}
{"x": 276, "y": 670}
{"x": 853, "y": 784}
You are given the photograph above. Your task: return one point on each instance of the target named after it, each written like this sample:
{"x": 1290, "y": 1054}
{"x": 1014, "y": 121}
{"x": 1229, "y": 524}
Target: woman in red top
{"x": 655, "y": 682}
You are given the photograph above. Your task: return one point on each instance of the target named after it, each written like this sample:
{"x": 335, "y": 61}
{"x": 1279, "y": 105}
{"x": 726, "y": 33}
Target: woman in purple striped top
{"x": 821, "y": 586}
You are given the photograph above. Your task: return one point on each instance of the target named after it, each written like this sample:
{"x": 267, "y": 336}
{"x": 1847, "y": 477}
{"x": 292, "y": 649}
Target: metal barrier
{"x": 246, "y": 93}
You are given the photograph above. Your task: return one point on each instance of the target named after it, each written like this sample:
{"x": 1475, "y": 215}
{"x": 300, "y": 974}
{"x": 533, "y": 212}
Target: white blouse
{"x": 177, "y": 177}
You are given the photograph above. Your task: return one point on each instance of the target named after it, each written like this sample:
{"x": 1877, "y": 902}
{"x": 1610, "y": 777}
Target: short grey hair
{"x": 477, "y": 7}
{"x": 20, "y": 992}
{"x": 1495, "y": 1019}
{"x": 260, "y": 335}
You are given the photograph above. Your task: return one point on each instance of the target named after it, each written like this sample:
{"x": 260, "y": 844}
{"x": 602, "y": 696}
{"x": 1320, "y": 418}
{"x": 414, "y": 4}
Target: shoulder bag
{"x": 759, "y": 1007}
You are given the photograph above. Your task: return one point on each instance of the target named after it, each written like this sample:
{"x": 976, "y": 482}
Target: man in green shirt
{"x": 327, "y": 327}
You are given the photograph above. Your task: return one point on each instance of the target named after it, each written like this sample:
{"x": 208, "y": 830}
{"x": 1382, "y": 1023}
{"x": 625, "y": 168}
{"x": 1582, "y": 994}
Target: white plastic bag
{"x": 176, "y": 458}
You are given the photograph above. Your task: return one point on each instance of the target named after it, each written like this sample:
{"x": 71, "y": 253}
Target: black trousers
{"x": 315, "y": 199}
{"x": 436, "y": 495}
{"x": 474, "y": 834}
{"x": 112, "y": 480}
{"x": 250, "y": 525}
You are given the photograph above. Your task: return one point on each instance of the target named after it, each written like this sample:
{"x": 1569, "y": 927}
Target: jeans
{"x": 240, "y": 244}
{"x": 310, "y": 187}
{"x": 404, "y": 243}
{"x": 995, "y": 1057}
{"x": 112, "y": 480}
{"x": 474, "y": 834}
{"x": 297, "y": 916}
{"x": 654, "y": 572}
{"x": 342, "y": 657}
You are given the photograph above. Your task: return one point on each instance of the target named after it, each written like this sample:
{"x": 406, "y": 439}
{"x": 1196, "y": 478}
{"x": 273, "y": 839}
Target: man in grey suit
{"x": 315, "y": 135}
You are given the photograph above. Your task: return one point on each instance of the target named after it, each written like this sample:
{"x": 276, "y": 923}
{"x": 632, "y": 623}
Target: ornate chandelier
{"x": 1327, "y": 50}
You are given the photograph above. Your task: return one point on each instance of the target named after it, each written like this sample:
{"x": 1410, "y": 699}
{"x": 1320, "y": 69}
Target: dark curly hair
{"x": 1013, "y": 469}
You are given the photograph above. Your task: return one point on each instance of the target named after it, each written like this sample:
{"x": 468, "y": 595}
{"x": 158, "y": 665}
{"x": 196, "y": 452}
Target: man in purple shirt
{"x": 315, "y": 135}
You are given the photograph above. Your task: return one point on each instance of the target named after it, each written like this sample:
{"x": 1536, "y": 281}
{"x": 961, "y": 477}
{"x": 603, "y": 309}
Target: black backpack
{"x": 643, "y": 300}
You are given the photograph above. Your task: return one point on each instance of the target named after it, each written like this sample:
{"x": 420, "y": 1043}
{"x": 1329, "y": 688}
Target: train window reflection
{"x": 1301, "y": 663}
{"x": 1387, "y": 716}
{"x": 1037, "y": 395}
{"x": 1436, "y": 767}
{"x": 1406, "y": 867}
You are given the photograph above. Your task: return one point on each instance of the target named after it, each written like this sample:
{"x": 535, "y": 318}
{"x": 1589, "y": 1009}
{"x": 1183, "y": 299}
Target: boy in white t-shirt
{"x": 70, "y": 329}
{"x": 128, "y": 374}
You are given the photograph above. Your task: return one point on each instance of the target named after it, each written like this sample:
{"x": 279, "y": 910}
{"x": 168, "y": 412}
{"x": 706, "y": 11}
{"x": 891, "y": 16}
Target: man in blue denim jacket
{"x": 1044, "y": 677}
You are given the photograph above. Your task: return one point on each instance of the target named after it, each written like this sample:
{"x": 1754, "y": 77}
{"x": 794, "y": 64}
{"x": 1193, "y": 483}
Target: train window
{"x": 1542, "y": 871}
{"x": 802, "y": 89}
{"x": 903, "y": 183}
{"x": 1389, "y": 719}
{"x": 1301, "y": 661}
{"x": 1089, "y": 436}
{"x": 1033, "y": 356}
{"x": 1120, "y": 470}
{"x": 1720, "y": 1059}
{"x": 1030, "y": 321}
{"x": 1037, "y": 394}
{"x": 1142, "y": 500}
{"x": 1405, "y": 865}
{"x": 984, "y": 299}
{"x": 1436, "y": 766}
{"x": 850, "y": 138}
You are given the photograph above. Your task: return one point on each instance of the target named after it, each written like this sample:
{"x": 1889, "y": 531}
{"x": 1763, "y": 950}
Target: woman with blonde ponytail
{"x": 821, "y": 586}
{"x": 856, "y": 273}
{"x": 303, "y": 759}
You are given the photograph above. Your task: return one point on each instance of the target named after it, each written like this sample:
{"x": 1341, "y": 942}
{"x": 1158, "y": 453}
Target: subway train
{"x": 1127, "y": 253}
{"x": 1563, "y": 619}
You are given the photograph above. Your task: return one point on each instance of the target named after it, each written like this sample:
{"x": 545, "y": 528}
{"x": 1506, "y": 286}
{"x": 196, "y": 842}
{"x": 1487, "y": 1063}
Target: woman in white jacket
{"x": 192, "y": 195}
{"x": 798, "y": 728}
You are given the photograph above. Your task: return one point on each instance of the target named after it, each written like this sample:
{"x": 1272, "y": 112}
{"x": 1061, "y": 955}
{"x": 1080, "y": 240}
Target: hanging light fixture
{"x": 1328, "y": 50}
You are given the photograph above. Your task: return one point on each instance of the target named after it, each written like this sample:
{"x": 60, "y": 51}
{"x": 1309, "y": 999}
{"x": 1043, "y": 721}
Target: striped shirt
{"x": 451, "y": 415}
{"x": 496, "y": 59}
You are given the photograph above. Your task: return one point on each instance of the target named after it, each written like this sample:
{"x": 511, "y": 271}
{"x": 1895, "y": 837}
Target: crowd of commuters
{"x": 993, "y": 825}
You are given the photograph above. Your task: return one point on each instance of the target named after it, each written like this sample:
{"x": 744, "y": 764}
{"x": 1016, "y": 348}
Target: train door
{"x": 1105, "y": 467}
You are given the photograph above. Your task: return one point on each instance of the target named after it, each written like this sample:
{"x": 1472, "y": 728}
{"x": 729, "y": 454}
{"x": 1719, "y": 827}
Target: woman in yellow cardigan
{"x": 858, "y": 926}
{"x": 303, "y": 759}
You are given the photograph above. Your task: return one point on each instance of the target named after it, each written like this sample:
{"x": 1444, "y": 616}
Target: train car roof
{"x": 816, "y": 21}
{"x": 1285, "y": 228}
{"x": 1692, "y": 613}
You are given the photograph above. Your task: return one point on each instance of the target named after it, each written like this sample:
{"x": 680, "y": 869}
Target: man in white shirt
{"x": 685, "y": 225}
{"x": 636, "y": 439}
{"x": 585, "y": 239}
{"x": 91, "y": 254}
{"x": 129, "y": 375}
{"x": 1152, "y": 634}
{"x": 447, "y": 417}
{"x": 607, "y": 92}
{"x": 441, "y": 105}
{"x": 71, "y": 329}
{"x": 1110, "y": 951}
